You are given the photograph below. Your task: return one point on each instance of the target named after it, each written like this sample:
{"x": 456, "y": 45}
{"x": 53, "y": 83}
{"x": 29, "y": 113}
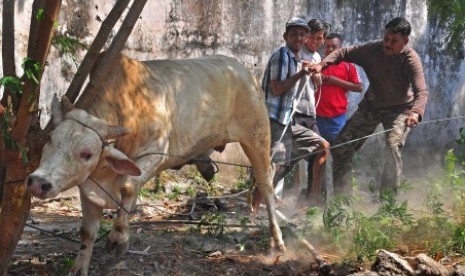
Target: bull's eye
{"x": 85, "y": 155}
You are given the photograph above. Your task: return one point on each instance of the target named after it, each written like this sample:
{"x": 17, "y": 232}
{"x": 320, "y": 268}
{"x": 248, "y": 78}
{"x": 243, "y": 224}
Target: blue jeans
{"x": 329, "y": 127}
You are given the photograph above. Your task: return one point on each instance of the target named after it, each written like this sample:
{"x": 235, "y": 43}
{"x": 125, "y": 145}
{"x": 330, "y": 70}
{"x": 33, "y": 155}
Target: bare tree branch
{"x": 91, "y": 55}
{"x": 114, "y": 50}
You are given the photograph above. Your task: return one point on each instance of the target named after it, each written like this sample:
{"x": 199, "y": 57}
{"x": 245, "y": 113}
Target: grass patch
{"x": 360, "y": 229}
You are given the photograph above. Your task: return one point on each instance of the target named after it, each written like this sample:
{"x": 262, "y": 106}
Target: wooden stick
{"x": 94, "y": 49}
{"x": 313, "y": 251}
{"x": 117, "y": 44}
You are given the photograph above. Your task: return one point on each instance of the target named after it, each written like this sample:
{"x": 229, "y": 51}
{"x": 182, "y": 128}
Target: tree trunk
{"x": 8, "y": 49}
{"x": 15, "y": 210}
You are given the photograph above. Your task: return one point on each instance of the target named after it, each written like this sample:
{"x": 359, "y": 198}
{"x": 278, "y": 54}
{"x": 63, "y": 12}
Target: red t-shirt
{"x": 332, "y": 99}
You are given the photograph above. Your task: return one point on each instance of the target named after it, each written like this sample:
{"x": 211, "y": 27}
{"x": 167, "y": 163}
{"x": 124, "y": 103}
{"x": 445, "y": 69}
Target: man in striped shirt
{"x": 284, "y": 70}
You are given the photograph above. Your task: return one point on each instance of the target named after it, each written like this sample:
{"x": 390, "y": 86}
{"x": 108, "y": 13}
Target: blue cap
{"x": 296, "y": 21}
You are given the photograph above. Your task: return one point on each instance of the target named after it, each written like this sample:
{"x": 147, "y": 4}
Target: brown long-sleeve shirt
{"x": 396, "y": 82}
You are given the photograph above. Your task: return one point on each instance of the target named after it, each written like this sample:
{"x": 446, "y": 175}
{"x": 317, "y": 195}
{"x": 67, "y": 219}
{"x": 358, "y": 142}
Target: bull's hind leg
{"x": 260, "y": 159}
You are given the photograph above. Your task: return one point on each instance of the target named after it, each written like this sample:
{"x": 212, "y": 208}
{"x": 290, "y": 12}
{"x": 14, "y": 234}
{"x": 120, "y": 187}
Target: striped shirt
{"x": 282, "y": 65}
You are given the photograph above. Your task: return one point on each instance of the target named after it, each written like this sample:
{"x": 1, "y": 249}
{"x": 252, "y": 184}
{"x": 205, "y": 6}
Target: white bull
{"x": 175, "y": 107}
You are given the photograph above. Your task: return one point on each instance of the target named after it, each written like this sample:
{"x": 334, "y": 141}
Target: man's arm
{"x": 279, "y": 87}
{"x": 420, "y": 90}
{"x": 353, "y": 82}
{"x": 352, "y": 54}
{"x": 347, "y": 85}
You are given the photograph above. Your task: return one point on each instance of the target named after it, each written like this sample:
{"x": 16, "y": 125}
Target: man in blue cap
{"x": 284, "y": 70}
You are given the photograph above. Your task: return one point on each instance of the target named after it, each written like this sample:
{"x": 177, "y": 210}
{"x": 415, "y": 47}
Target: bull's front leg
{"x": 118, "y": 239}
{"x": 91, "y": 213}
{"x": 276, "y": 239}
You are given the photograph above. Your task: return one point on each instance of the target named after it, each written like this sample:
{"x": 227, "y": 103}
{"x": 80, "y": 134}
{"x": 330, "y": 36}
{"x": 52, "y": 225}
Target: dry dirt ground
{"x": 165, "y": 238}
{"x": 50, "y": 240}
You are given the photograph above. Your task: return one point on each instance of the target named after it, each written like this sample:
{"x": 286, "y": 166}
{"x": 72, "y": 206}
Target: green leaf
{"x": 40, "y": 14}
{"x": 69, "y": 46}
{"x": 31, "y": 69}
{"x": 13, "y": 84}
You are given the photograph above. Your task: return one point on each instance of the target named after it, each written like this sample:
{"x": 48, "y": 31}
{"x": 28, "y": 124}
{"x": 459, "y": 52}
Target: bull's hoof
{"x": 122, "y": 248}
{"x": 325, "y": 269}
{"x": 117, "y": 249}
{"x": 282, "y": 248}
{"x": 75, "y": 270}
{"x": 207, "y": 170}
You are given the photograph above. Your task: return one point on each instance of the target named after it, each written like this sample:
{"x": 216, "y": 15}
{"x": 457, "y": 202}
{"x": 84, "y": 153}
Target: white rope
{"x": 299, "y": 92}
{"x": 298, "y": 157}
{"x": 320, "y": 83}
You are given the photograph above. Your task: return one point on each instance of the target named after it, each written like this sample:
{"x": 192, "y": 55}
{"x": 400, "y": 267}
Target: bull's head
{"x": 75, "y": 147}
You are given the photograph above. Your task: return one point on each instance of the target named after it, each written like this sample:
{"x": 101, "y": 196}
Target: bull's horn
{"x": 67, "y": 104}
{"x": 57, "y": 112}
{"x": 116, "y": 131}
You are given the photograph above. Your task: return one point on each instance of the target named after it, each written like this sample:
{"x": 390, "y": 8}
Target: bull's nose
{"x": 38, "y": 181}
{"x": 45, "y": 187}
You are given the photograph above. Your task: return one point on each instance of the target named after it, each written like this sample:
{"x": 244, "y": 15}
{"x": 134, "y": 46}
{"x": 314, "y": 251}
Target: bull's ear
{"x": 57, "y": 112}
{"x": 120, "y": 163}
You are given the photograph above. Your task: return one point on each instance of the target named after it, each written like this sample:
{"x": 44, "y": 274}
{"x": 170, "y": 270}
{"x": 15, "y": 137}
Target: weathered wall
{"x": 250, "y": 30}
